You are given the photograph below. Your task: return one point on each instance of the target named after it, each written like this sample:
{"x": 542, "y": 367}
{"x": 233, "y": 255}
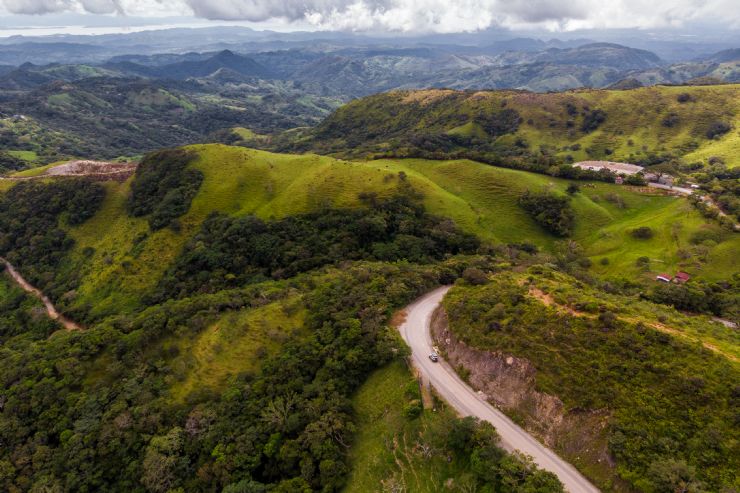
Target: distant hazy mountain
{"x": 50, "y": 52}
{"x": 725, "y": 56}
{"x": 16, "y": 50}
{"x": 190, "y": 68}
{"x": 353, "y": 71}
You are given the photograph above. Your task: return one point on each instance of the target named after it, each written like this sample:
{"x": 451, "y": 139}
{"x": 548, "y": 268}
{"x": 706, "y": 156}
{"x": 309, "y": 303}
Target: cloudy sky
{"x": 412, "y": 16}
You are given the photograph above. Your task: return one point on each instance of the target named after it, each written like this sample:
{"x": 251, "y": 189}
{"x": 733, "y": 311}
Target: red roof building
{"x": 681, "y": 277}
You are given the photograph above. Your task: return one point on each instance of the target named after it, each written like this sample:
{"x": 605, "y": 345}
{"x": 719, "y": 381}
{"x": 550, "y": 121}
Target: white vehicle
{"x": 434, "y": 357}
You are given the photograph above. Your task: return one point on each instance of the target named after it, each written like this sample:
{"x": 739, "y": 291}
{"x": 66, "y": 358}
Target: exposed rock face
{"x": 509, "y": 383}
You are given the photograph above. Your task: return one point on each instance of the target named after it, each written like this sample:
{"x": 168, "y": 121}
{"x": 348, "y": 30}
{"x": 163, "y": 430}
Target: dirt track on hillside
{"x": 50, "y": 308}
{"x": 547, "y": 300}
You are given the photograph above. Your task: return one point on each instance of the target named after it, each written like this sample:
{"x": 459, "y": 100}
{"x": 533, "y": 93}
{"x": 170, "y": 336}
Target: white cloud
{"x": 417, "y": 15}
{"x": 36, "y": 7}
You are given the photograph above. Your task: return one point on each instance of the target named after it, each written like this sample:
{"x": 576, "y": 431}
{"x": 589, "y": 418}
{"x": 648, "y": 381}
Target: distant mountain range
{"x": 358, "y": 71}
{"x": 130, "y": 103}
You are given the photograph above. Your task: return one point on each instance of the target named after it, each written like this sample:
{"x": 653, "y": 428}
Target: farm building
{"x": 619, "y": 168}
{"x": 655, "y": 178}
{"x": 681, "y": 277}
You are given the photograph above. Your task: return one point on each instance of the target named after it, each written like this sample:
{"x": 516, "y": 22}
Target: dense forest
{"x": 230, "y": 252}
{"x": 551, "y": 211}
{"x": 163, "y": 187}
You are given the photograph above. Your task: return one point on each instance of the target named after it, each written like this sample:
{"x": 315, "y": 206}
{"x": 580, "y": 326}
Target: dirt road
{"x": 97, "y": 170}
{"x": 50, "y": 308}
{"x": 467, "y": 402}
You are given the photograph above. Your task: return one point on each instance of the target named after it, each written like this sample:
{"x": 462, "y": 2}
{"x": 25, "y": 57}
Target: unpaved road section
{"x": 97, "y": 170}
{"x": 415, "y": 331}
{"x": 50, "y": 308}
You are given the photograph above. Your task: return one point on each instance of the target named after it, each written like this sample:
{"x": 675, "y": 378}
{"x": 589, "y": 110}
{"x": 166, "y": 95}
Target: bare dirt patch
{"x": 548, "y": 300}
{"x": 95, "y": 169}
{"x": 398, "y": 318}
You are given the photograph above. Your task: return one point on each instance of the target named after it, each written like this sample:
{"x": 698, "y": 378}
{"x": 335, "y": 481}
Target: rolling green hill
{"x": 643, "y": 125}
{"x": 119, "y": 259}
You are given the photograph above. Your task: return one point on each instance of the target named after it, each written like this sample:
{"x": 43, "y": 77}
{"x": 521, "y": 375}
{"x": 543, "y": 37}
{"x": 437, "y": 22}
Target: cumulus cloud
{"x": 37, "y": 6}
{"x": 417, "y": 15}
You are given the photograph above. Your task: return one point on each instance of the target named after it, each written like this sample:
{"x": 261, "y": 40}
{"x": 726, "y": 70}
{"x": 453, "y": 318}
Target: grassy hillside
{"x": 637, "y": 126}
{"x": 120, "y": 259}
{"x": 385, "y": 451}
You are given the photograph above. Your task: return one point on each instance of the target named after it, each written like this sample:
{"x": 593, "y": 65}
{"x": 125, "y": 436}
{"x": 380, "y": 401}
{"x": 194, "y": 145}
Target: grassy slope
{"x": 383, "y": 450}
{"x": 564, "y": 295}
{"x": 29, "y": 156}
{"x": 234, "y": 344}
{"x": 36, "y": 171}
{"x": 128, "y": 260}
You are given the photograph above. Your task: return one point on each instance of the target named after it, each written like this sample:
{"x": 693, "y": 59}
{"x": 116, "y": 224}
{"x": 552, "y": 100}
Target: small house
{"x": 681, "y": 277}
{"x": 664, "y": 277}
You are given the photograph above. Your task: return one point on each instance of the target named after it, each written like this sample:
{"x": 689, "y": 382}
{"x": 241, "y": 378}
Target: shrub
{"x": 643, "y": 262}
{"x": 573, "y": 188}
{"x": 717, "y": 129}
{"x": 413, "y": 409}
{"x": 708, "y": 233}
{"x": 551, "y": 211}
{"x": 684, "y": 97}
{"x": 592, "y": 120}
{"x": 475, "y": 276}
{"x": 670, "y": 121}
{"x": 615, "y": 199}
{"x": 643, "y": 233}
{"x": 636, "y": 180}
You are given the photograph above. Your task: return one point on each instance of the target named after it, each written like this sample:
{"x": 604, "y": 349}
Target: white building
{"x": 619, "y": 168}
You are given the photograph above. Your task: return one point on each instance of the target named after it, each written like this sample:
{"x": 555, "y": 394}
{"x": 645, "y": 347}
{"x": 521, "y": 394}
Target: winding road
{"x": 466, "y": 401}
